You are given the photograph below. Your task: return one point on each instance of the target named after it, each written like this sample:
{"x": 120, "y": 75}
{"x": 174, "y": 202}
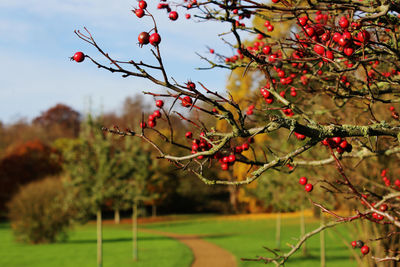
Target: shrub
{"x": 39, "y": 212}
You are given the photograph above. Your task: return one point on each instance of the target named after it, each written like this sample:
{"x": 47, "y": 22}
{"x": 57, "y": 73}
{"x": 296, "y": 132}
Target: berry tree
{"x": 325, "y": 98}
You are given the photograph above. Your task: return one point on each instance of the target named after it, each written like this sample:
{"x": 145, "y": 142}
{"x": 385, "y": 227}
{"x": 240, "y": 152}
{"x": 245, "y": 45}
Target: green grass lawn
{"x": 80, "y": 250}
{"x": 246, "y": 238}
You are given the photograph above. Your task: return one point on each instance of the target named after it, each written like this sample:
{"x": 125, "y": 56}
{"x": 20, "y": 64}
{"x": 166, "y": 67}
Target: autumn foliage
{"x": 25, "y": 163}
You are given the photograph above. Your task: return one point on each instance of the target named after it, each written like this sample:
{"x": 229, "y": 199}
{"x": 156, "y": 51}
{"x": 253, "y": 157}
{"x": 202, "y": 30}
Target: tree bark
{"x": 154, "y": 210}
{"x": 278, "y": 231}
{"x": 134, "y": 230}
{"x": 322, "y": 242}
{"x": 117, "y": 217}
{"x": 99, "y": 239}
{"x": 303, "y": 231}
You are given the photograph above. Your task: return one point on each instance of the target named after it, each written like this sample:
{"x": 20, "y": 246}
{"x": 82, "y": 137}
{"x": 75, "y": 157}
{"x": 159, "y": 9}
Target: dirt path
{"x": 205, "y": 253}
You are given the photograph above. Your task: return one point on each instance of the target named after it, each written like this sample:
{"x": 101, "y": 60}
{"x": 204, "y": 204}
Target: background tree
{"x": 93, "y": 164}
{"x": 59, "y": 121}
{"x": 40, "y": 212}
{"x": 25, "y": 163}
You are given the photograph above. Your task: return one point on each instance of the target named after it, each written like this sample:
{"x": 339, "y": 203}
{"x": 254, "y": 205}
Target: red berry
{"x": 310, "y": 31}
{"x": 143, "y": 38}
{"x": 303, "y": 180}
{"x": 354, "y": 244}
{"x": 155, "y": 39}
{"x": 139, "y": 13}
{"x": 337, "y": 140}
{"x": 344, "y": 144}
{"x": 319, "y": 49}
{"x": 212, "y": 51}
{"x": 348, "y": 51}
{"x": 157, "y": 114}
{"x": 225, "y": 166}
{"x": 300, "y": 136}
{"x": 188, "y": 134}
{"x": 363, "y": 36}
{"x": 383, "y": 207}
{"x": 270, "y": 28}
{"x": 191, "y": 85}
{"x": 308, "y": 187}
{"x": 142, "y": 4}
{"x": 340, "y": 150}
{"x": 173, "y": 15}
{"x": 152, "y": 123}
{"x": 238, "y": 149}
{"x": 245, "y": 146}
{"x": 187, "y": 16}
{"x": 397, "y": 182}
{"x": 152, "y": 117}
{"x": 231, "y": 158}
{"x": 143, "y": 125}
{"x": 79, "y": 57}
{"x": 266, "y": 50}
{"x": 303, "y": 20}
{"x": 343, "y": 22}
{"x": 365, "y": 249}
{"x": 186, "y": 101}
{"x": 159, "y": 103}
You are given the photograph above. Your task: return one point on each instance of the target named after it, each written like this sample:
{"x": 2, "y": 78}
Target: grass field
{"x": 244, "y": 238}
{"x": 80, "y": 250}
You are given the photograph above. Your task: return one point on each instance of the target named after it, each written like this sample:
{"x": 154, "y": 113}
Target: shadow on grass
{"x": 4, "y": 225}
{"x": 190, "y": 236}
{"x": 318, "y": 258}
{"x": 314, "y": 258}
{"x": 115, "y": 240}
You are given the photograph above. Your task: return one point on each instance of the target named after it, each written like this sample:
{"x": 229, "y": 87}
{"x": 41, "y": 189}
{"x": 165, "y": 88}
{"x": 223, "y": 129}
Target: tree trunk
{"x": 134, "y": 230}
{"x": 117, "y": 217}
{"x": 278, "y": 230}
{"x": 322, "y": 242}
{"x": 154, "y": 210}
{"x": 99, "y": 239}
{"x": 233, "y": 198}
{"x": 303, "y": 231}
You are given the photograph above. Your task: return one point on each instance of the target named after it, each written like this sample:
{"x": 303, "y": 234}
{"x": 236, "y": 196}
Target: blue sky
{"x": 37, "y": 40}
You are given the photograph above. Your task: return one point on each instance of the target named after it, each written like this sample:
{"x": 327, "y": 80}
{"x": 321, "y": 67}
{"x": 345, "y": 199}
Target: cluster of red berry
{"x": 395, "y": 114}
{"x": 307, "y": 186}
{"x": 269, "y": 26}
{"x": 337, "y": 142}
{"x": 144, "y": 37}
{"x": 153, "y": 117}
{"x": 360, "y": 244}
{"x": 250, "y": 110}
{"x": 199, "y": 145}
{"x": 387, "y": 181}
{"x": 268, "y": 97}
{"x": 139, "y": 12}
{"x": 173, "y": 15}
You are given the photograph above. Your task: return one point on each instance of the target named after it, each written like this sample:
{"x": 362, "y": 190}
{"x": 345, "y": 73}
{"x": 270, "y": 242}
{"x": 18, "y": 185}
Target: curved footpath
{"x": 205, "y": 254}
